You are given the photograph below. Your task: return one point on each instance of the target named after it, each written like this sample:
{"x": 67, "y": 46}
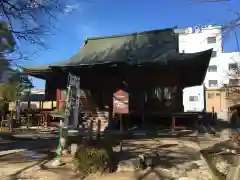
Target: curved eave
{"x": 41, "y": 74}
{"x": 193, "y": 67}
{"x": 196, "y": 69}
{"x": 175, "y": 58}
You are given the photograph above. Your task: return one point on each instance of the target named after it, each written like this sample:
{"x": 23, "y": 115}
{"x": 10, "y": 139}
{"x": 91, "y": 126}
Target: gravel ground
{"x": 175, "y": 157}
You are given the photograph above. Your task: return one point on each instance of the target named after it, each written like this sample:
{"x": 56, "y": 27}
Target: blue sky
{"x": 107, "y": 17}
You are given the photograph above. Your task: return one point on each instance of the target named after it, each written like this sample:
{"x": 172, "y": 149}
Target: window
{"x": 211, "y": 40}
{"x": 193, "y": 98}
{"x": 214, "y": 54}
{"x": 210, "y": 95}
{"x": 161, "y": 93}
{"x": 167, "y": 93}
{"x": 212, "y": 68}
{"x": 213, "y": 83}
{"x": 232, "y": 66}
{"x": 157, "y": 93}
{"x": 233, "y": 82}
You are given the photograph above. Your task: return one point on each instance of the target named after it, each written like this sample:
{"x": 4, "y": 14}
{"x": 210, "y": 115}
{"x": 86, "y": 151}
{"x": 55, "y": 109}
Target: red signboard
{"x": 121, "y": 102}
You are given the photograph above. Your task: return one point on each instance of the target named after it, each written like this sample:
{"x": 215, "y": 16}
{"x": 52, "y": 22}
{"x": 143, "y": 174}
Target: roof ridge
{"x": 131, "y": 34}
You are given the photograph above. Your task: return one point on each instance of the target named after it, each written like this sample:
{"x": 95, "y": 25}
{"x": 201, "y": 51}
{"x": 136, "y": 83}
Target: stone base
{"x": 74, "y": 149}
{"x": 55, "y": 163}
{"x": 226, "y": 135}
{"x": 130, "y": 165}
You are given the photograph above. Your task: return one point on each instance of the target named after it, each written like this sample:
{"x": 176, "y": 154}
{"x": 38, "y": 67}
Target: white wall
{"x": 192, "y": 42}
{"x": 195, "y": 42}
{"x": 222, "y": 62}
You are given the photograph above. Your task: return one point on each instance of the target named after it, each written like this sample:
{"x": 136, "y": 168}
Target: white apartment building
{"x": 199, "y": 39}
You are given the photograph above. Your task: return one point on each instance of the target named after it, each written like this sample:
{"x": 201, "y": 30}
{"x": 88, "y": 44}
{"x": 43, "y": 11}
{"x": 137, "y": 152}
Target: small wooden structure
{"x": 147, "y": 65}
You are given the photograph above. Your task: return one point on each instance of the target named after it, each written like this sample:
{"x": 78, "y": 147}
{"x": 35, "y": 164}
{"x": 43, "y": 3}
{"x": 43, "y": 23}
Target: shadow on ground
{"x": 165, "y": 156}
{"x": 221, "y": 125}
{"x": 39, "y": 158}
{"x": 8, "y": 143}
{"x": 214, "y": 151}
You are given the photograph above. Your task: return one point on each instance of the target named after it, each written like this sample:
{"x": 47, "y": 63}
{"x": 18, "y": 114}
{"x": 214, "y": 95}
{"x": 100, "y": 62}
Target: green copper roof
{"x": 150, "y": 47}
{"x": 133, "y": 48}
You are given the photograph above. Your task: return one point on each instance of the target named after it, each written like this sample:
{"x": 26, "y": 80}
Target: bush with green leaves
{"x": 94, "y": 156}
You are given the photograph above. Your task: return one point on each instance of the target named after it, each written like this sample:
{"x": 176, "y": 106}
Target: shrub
{"x": 94, "y": 156}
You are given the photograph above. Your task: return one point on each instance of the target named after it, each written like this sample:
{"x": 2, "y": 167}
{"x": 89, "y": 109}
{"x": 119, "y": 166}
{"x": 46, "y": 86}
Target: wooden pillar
{"x": 29, "y": 105}
{"x": 181, "y": 98}
{"x": 173, "y": 122}
{"x": 179, "y": 93}
{"x": 213, "y": 115}
{"x": 177, "y": 99}
{"x": 110, "y": 115}
{"x": 109, "y": 97}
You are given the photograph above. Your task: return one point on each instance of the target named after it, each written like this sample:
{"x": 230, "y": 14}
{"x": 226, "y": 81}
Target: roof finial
{"x": 85, "y": 40}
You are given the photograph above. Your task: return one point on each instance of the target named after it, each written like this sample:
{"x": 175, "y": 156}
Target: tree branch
{"x": 29, "y": 20}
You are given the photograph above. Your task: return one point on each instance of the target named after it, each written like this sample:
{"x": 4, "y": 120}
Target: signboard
{"x": 72, "y": 100}
{"x": 121, "y": 102}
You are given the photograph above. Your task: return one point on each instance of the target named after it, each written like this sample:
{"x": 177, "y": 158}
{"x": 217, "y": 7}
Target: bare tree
{"x": 30, "y": 20}
{"x": 230, "y": 24}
